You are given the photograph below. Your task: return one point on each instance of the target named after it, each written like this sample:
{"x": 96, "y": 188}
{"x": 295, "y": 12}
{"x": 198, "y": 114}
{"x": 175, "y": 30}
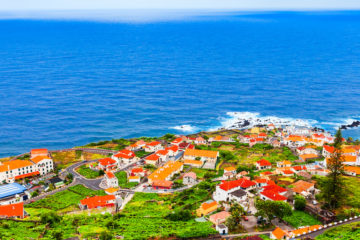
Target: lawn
{"x": 87, "y": 172}
{"x": 346, "y": 232}
{"x": 141, "y": 153}
{"x": 67, "y": 199}
{"x": 300, "y": 218}
{"x": 123, "y": 182}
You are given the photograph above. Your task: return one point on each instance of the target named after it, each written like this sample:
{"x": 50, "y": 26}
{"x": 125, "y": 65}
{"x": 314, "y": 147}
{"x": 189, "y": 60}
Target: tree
{"x": 334, "y": 188}
{"x": 57, "y": 234}
{"x": 206, "y": 138}
{"x": 105, "y": 235}
{"x": 236, "y": 211}
{"x": 300, "y": 203}
{"x": 231, "y": 223}
{"x": 101, "y": 172}
{"x": 50, "y": 218}
{"x": 271, "y": 209}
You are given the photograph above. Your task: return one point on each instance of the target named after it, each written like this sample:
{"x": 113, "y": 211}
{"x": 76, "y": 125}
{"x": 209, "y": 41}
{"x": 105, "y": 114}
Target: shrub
{"x": 300, "y": 203}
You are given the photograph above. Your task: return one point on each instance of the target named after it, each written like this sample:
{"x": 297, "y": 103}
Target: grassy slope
{"x": 346, "y": 232}
{"x": 300, "y": 218}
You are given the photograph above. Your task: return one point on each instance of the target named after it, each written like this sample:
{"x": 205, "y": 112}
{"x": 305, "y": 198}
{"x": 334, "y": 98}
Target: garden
{"x": 345, "y": 232}
{"x": 123, "y": 181}
{"x": 89, "y": 173}
{"x": 300, "y": 219}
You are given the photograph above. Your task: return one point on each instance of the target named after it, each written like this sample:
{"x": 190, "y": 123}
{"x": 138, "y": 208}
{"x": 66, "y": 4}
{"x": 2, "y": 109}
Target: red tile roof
{"x": 154, "y": 143}
{"x": 137, "y": 170}
{"x": 127, "y": 154}
{"x": 106, "y": 161}
{"x": 152, "y": 157}
{"x": 12, "y": 210}
{"x": 162, "y": 183}
{"x": 263, "y": 162}
{"x": 41, "y": 151}
{"x": 274, "y": 188}
{"x": 243, "y": 183}
{"x": 329, "y": 149}
{"x": 273, "y": 195}
{"x": 110, "y": 174}
{"x": 27, "y": 175}
{"x": 98, "y": 201}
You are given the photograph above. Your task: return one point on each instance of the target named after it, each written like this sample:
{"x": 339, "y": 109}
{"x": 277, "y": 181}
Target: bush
{"x": 50, "y": 218}
{"x": 300, "y": 203}
{"x": 184, "y": 215}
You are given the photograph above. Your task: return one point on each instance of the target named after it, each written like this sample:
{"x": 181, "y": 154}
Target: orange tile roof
{"x": 152, "y": 157}
{"x": 137, "y": 170}
{"x": 177, "y": 140}
{"x": 352, "y": 169}
{"x": 97, "y": 201}
{"x": 285, "y": 163}
{"x": 162, "y": 152}
{"x": 155, "y": 143}
{"x": 307, "y": 156}
{"x": 107, "y": 161}
{"x": 162, "y": 183}
{"x": 301, "y": 186}
{"x": 242, "y": 182}
{"x": 27, "y": 175}
{"x": 12, "y": 210}
{"x": 173, "y": 148}
{"x": 279, "y": 233}
{"x": 125, "y": 153}
{"x": 201, "y": 153}
{"x": 14, "y": 164}
{"x": 134, "y": 177}
{"x": 110, "y": 174}
{"x": 193, "y": 162}
{"x": 348, "y": 150}
{"x": 230, "y": 169}
{"x": 42, "y": 151}
{"x": 348, "y": 158}
{"x": 163, "y": 172}
{"x": 39, "y": 159}
{"x": 206, "y": 205}
{"x": 263, "y": 162}
{"x": 111, "y": 190}
{"x": 329, "y": 149}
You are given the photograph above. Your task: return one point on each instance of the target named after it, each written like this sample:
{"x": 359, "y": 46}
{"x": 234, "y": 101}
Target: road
{"x": 89, "y": 183}
{"x": 317, "y": 233}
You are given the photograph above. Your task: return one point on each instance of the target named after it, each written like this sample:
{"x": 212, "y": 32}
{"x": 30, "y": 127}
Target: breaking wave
{"x": 185, "y": 128}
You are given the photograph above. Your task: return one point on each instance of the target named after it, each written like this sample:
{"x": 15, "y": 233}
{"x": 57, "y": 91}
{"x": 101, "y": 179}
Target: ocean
{"x": 65, "y": 83}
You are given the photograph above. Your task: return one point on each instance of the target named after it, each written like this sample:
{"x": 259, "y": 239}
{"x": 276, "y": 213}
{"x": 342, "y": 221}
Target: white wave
{"x": 250, "y": 119}
{"x": 184, "y": 128}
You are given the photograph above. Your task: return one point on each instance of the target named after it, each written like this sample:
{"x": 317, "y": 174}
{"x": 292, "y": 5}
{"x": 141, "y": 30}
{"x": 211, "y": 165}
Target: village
{"x": 239, "y": 175}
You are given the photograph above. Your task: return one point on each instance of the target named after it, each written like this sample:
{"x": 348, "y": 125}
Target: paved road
{"x": 89, "y": 183}
{"x": 230, "y": 236}
{"x": 317, "y": 233}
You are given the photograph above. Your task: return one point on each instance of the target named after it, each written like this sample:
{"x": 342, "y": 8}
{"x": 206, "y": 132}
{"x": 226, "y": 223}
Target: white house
{"x": 124, "y": 156}
{"x": 226, "y": 187}
{"x": 111, "y": 180}
{"x": 153, "y": 146}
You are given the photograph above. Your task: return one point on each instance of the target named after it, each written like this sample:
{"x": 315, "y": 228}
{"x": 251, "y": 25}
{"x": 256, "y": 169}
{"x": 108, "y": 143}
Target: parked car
{"x": 245, "y": 218}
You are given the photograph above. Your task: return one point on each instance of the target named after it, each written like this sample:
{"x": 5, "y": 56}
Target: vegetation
{"x": 300, "y": 203}
{"x": 67, "y": 199}
{"x": 271, "y": 209}
{"x": 88, "y": 173}
{"x": 334, "y": 188}
{"x": 299, "y": 218}
{"x": 123, "y": 182}
{"x": 344, "y": 232}
{"x": 141, "y": 153}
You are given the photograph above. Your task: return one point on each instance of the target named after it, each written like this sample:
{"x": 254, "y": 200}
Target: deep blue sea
{"x": 66, "y": 83}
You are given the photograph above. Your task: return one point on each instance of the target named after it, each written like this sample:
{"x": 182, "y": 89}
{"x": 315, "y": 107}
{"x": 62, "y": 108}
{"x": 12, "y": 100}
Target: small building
{"x": 308, "y": 157}
{"x": 222, "y": 229}
{"x": 166, "y": 172}
{"x": 134, "y": 179}
{"x": 57, "y": 182}
{"x": 208, "y": 157}
{"x": 97, "y": 202}
{"x": 153, "y": 159}
{"x": 15, "y": 210}
{"x": 124, "y": 156}
{"x": 238, "y": 195}
{"x": 219, "y": 218}
{"x": 304, "y": 188}
{"x": 263, "y": 164}
{"x": 206, "y": 208}
{"x": 111, "y": 191}
{"x": 189, "y": 178}
{"x": 162, "y": 184}
{"x": 223, "y": 190}
{"x": 193, "y": 163}
{"x": 12, "y": 193}
{"x": 138, "y": 172}
{"x": 153, "y": 147}
{"x": 107, "y": 164}
{"x": 278, "y": 233}
{"x": 283, "y": 164}
{"x": 111, "y": 180}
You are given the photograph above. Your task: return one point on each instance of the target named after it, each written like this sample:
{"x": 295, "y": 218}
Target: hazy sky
{"x": 11, "y": 5}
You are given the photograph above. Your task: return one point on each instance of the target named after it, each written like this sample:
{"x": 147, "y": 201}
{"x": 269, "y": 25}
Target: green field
{"x": 87, "y": 172}
{"x": 67, "y": 199}
{"x": 346, "y": 232}
{"x": 123, "y": 182}
{"x": 300, "y": 219}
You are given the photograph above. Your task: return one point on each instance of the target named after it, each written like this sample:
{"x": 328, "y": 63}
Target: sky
{"x": 38, "y": 5}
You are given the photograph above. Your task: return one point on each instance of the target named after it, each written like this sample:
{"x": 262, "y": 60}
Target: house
{"x": 137, "y": 146}
{"x": 304, "y": 188}
{"x": 172, "y": 150}
{"x": 285, "y": 171}
{"x": 39, "y": 152}
{"x": 283, "y": 164}
{"x": 275, "y": 143}
{"x": 263, "y": 164}
{"x": 97, "y": 202}
{"x": 221, "y": 139}
{"x": 208, "y": 157}
{"x": 162, "y": 184}
{"x": 17, "y": 169}
{"x": 298, "y": 168}
{"x": 124, "y": 156}
{"x": 177, "y": 141}
{"x": 15, "y": 210}
{"x": 185, "y": 145}
{"x": 193, "y": 163}
{"x": 278, "y": 233}
{"x": 229, "y": 172}
{"x": 222, "y": 229}
{"x": 107, "y": 164}
{"x": 226, "y": 187}
{"x": 238, "y": 195}
{"x": 138, "y": 172}
{"x": 111, "y": 191}
{"x": 200, "y": 141}
{"x": 306, "y": 150}
{"x": 262, "y": 182}
{"x": 273, "y": 193}
{"x": 241, "y": 174}
{"x": 12, "y": 193}
{"x": 153, "y": 159}
{"x": 206, "y": 208}
{"x": 308, "y": 157}
{"x": 57, "y": 182}
{"x": 327, "y": 151}
{"x": 153, "y": 146}
{"x": 134, "y": 179}
{"x": 267, "y": 173}
{"x": 163, "y": 155}
{"x": 219, "y": 218}
{"x": 43, "y": 165}
{"x": 303, "y": 230}
{"x": 111, "y": 180}
{"x": 189, "y": 178}
{"x": 166, "y": 172}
